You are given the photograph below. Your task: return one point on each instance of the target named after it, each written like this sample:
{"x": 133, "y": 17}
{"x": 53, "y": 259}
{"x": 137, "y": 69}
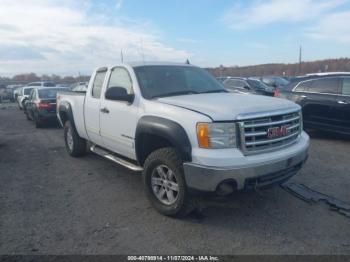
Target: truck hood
{"x": 228, "y": 106}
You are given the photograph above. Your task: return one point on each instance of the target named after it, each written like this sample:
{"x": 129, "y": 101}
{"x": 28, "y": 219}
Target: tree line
{"x": 328, "y": 65}
{"x": 32, "y": 77}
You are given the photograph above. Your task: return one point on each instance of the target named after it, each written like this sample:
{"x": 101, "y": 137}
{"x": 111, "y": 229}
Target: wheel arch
{"x": 65, "y": 113}
{"x": 154, "y": 132}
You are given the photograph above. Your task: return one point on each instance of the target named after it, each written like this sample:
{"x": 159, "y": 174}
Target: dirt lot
{"x": 51, "y": 203}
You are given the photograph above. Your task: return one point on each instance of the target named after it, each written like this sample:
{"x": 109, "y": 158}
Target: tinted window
{"x": 161, "y": 81}
{"x": 50, "y": 93}
{"x": 120, "y": 78}
{"x": 326, "y": 85}
{"x": 257, "y": 84}
{"x": 303, "y": 86}
{"x": 235, "y": 83}
{"x": 346, "y": 86}
{"x": 98, "y": 82}
{"x": 49, "y": 84}
{"x": 27, "y": 91}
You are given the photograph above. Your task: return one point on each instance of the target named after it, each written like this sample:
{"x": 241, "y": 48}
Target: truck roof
{"x": 135, "y": 64}
{"x": 140, "y": 63}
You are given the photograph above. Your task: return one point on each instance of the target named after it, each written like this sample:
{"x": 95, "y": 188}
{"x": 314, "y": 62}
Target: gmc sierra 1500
{"x": 181, "y": 128}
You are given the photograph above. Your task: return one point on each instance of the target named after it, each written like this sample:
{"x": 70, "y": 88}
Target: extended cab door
{"x": 343, "y": 106}
{"x": 92, "y": 107}
{"x": 119, "y": 118}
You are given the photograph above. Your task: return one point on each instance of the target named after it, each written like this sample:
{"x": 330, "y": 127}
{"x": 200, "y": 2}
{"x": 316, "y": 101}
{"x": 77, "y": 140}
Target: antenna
{"x": 121, "y": 56}
{"x": 300, "y": 53}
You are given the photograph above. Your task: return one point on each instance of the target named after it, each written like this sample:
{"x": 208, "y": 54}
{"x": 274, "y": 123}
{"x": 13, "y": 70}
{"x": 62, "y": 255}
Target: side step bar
{"x": 109, "y": 155}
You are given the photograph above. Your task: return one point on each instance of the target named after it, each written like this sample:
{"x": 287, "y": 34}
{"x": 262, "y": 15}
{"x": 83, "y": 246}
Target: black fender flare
{"x": 66, "y": 108}
{"x": 165, "y": 129}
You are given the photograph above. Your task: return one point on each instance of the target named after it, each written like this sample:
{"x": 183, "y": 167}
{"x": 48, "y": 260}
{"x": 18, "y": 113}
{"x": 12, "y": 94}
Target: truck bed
{"x": 75, "y": 101}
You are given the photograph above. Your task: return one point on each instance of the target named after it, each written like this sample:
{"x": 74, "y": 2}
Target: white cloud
{"x": 187, "y": 40}
{"x": 260, "y": 13}
{"x": 119, "y": 4}
{"x": 65, "y": 37}
{"x": 334, "y": 27}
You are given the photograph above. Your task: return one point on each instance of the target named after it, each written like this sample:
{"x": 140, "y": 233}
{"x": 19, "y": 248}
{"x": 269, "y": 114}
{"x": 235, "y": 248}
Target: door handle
{"x": 342, "y": 102}
{"x": 104, "y": 110}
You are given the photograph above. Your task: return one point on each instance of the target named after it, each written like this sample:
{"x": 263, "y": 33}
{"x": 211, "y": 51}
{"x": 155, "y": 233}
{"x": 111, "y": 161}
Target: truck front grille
{"x": 268, "y": 133}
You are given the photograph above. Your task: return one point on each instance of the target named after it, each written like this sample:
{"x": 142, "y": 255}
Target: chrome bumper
{"x": 206, "y": 178}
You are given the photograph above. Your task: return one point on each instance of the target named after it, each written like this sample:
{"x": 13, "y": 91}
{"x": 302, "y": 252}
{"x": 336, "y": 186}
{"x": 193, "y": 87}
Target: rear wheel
{"x": 75, "y": 145}
{"x": 165, "y": 183}
{"x": 37, "y": 121}
{"x": 27, "y": 115}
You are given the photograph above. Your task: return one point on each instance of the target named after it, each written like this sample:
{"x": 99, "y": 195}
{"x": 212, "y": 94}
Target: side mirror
{"x": 119, "y": 94}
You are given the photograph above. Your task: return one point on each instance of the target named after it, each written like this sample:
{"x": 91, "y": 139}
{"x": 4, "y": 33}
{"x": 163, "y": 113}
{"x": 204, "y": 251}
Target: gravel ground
{"x": 51, "y": 203}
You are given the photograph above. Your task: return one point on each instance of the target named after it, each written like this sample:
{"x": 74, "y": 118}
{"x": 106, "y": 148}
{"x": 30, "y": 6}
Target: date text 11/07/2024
{"x": 173, "y": 258}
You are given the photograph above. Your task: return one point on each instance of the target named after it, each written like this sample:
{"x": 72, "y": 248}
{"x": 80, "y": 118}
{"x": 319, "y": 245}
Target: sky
{"x": 71, "y": 37}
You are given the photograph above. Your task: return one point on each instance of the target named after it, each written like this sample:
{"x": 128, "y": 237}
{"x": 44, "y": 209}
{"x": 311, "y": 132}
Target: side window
{"x": 303, "y": 86}
{"x": 326, "y": 85}
{"x": 346, "y": 86}
{"x": 97, "y": 85}
{"x": 120, "y": 78}
{"x": 235, "y": 83}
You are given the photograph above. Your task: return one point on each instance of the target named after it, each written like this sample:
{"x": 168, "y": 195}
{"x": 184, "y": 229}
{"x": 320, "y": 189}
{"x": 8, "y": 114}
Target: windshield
{"x": 161, "y": 81}
{"x": 281, "y": 81}
{"x": 27, "y": 91}
{"x": 256, "y": 84}
{"x": 50, "y": 93}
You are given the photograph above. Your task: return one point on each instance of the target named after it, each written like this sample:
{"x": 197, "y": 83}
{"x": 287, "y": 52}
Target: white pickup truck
{"x": 181, "y": 128}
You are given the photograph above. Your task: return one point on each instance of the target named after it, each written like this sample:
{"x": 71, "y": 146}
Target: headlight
{"x": 216, "y": 135}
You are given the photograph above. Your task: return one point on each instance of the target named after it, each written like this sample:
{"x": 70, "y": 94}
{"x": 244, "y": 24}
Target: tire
{"x": 38, "y": 123}
{"x": 27, "y": 115}
{"x": 75, "y": 145}
{"x": 169, "y": 162}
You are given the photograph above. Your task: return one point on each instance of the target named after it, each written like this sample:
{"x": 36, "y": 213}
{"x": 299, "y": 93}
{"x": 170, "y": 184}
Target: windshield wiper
{"x": 215, "y": 91}
{"x": 176, "y": 93}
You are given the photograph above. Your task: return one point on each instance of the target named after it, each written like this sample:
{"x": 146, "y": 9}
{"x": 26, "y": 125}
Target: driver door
{"x": 118, "y": 118}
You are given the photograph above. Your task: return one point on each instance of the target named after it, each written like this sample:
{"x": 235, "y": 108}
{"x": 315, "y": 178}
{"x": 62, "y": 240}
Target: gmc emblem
{"x": 278, "y": 131}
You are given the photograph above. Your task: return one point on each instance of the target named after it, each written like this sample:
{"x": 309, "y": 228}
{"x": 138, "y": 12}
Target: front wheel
{"x": 165, "y": 183}
{"x": 27, "y": 115}
{"x": 75, "y": 145}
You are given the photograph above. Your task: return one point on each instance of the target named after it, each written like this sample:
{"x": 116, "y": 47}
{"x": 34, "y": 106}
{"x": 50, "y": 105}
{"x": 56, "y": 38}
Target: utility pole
{"x": 300, "y": 54}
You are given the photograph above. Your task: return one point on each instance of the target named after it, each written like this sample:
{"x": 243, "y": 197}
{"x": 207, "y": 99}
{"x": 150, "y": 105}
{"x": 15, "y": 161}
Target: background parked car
{"x": 25, "y": 91}
{"x": 325, "y": 101}
{"x": 222, "y": 78}
{"x": 41, "y": 105}
{"x": 80, "y": 87}
{"x": 248, "y": 85}
{"x": 6, "y": 93}
{"x": 17, "y": 92}
{"x": 274, "y": 81}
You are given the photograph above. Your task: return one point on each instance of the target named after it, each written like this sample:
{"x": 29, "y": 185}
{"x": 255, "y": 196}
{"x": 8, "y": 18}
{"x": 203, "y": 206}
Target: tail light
{"x": 277, "y": 93}
{"x": 44, "y": 105}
